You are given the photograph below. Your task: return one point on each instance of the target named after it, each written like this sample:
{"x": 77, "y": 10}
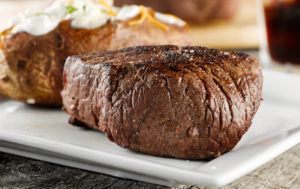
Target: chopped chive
{"x": 71, "y": 9}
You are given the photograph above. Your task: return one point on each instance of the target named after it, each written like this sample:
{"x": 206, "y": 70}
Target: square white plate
{"x": 45, "y": 134}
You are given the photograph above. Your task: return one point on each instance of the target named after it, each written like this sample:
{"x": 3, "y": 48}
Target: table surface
{"x": 19, "y": 172}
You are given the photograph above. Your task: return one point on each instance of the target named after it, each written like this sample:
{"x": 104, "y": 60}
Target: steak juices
{"x": 282, "y": 18}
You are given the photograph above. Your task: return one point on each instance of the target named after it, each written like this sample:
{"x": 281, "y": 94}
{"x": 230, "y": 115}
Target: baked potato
{"x": 193, "y": 11}
{"x": 31, "y": 66}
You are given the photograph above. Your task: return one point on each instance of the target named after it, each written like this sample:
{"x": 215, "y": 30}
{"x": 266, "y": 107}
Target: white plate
{"x": 45, "y": 134}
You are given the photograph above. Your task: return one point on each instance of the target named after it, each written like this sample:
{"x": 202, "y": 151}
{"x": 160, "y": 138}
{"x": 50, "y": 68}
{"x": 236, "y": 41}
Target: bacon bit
{"x": 109, "y": 9}
{"x": 147, "y": 14}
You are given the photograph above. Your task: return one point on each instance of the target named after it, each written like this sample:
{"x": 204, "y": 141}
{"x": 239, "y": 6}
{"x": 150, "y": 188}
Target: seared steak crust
{"x": 183, "y": 102}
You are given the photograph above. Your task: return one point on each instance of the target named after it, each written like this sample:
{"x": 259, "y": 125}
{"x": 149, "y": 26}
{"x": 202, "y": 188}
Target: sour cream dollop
{"x": 40, "y": 23}
{"x": 169, "y": 19}
{"x": 88, "y": 15}
{"x": 128, "y": 12}
{"x": 37, "y": 25}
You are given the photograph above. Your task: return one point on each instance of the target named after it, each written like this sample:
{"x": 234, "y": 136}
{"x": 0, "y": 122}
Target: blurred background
{"x": 226, "y": 24}
{"x": 269, "y": 28}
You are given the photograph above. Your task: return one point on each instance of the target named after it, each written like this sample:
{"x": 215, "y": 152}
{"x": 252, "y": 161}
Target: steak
{"x": 182, "y": 102}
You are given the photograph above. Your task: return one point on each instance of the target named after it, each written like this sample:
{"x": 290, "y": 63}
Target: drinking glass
{"x": 279, "y": 22}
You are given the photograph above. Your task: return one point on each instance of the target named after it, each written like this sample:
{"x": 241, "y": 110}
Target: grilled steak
{"x": 183, "y": 102}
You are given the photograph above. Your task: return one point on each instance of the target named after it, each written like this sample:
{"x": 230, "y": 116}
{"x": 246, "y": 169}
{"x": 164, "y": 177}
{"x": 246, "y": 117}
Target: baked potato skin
{"x": 31, "y": 67}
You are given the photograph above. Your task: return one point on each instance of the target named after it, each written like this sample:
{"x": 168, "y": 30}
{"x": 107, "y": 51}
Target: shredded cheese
{"x": 143, "y": 17}
{"x": 158, "y": 23}
{"x": 2, "y": 36}
{"x": 110, "y": 11}
{"x": 146, "y": 14}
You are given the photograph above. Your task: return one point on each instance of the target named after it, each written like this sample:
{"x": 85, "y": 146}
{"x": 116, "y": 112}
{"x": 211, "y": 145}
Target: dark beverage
{"x": 282, "y": 19}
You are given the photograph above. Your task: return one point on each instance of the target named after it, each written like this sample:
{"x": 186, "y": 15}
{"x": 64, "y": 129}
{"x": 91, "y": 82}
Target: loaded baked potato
{"x": 32, "y": 57}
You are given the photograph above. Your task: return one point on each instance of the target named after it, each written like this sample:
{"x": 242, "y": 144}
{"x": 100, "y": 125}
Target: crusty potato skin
{"x": 31, "y": 67}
